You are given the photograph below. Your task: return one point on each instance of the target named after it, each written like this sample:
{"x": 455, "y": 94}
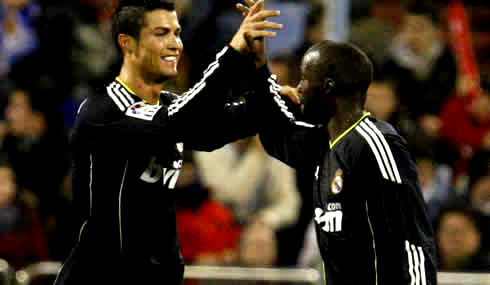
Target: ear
{"x": 127, "y": 43}
{"x": 328, "y": 85}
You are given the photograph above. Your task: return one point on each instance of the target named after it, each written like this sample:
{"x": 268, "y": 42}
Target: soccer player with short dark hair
{"x": 128, "y": 142}
{"x": 370, "y": 217}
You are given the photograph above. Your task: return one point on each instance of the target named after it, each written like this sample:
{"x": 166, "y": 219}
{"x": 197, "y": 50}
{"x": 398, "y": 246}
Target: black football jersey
{"x": 370, "y": 217}
{"x": 127, "y": 158}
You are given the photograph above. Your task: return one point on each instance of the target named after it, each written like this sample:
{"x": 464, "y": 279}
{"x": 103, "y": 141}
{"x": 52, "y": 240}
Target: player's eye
{"x": 161, "y": 32}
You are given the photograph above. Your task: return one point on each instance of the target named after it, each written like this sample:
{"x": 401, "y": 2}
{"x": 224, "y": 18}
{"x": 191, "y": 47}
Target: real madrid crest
{"x": 337, "y": 182}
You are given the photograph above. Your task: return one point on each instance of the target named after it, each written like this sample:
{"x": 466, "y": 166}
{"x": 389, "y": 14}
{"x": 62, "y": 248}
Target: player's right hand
{"x": 254, "y": 27}
{"x": 292, "y": 93}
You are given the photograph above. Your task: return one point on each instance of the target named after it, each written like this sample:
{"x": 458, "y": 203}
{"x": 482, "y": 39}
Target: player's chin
{"x": 169, "y": 73}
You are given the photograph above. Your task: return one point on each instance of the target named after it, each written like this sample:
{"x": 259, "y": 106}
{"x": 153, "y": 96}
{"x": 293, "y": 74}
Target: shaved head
{"x": 331, "y": 74}
{"x": 348, "y": 66}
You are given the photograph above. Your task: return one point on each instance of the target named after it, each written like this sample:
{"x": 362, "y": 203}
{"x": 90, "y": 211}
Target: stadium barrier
{"x": 232, "y": 274}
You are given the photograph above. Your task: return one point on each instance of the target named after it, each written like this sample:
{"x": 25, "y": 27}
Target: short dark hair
{"x": 427, "y": 9}
{"x": 346, "y": 64}
{"x": 458, "y": 206}
{"x": 129, "y": 17}
{"x": 485, "y": 81}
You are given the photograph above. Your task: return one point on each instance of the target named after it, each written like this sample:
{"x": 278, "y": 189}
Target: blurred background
{"x": 238, "y": 206}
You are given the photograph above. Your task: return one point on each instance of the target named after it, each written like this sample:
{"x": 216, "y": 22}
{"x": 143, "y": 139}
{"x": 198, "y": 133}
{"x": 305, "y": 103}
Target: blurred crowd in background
{"x": 236, "y": 205}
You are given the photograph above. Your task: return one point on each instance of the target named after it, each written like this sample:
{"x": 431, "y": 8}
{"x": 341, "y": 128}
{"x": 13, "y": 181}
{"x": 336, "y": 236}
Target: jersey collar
{"x": 332, "y": 144}
{"x": 120, "y": 81}
{"x": 125, "y": 86}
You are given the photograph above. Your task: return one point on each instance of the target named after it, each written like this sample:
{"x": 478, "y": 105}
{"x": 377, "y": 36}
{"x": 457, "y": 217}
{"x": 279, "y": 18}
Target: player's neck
{"x": 343, "y": 119}
{"x": 144, "y": 89}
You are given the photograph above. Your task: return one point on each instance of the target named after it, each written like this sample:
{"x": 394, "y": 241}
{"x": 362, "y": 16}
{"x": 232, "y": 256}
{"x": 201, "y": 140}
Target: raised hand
{"x": 291, "y": 93}
{"x": 250, "y": 36}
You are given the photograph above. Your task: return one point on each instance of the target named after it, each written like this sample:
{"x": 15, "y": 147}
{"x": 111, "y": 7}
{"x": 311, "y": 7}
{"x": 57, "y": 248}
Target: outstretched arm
{"x": 233, "y": 62}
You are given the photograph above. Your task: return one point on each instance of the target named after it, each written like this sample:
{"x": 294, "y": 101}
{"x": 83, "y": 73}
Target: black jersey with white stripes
{"x": 127, "y": 158}
{"x": 370, "y": 217}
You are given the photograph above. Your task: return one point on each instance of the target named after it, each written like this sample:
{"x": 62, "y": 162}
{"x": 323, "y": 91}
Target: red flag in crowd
{"x": 460, "y": 40}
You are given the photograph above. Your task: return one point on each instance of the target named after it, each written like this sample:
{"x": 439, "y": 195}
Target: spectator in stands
{"x": 375, "y": 33}
{"x": 35, "y": 138}
{"x": 435, "y": 180}
{"x": 22, "y": 238}
{"x": 382, "y": 101}
{"x": 423, "y": 67}
{"x": 465, "y": 126}
{"x": 459, "y": 236}
{"x": 259, "y": 189}
{"x": 207, "y": 230}
{"x": 479, "y": 190}
{"x": 20, "y": 38}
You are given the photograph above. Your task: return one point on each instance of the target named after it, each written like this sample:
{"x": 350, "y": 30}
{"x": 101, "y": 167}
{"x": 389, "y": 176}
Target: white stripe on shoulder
{"x": 380, "y": 148}
{"x": 125, "y": 93}
{"x": 374, "y": 149}
{"x": 115, "y": 98}
{"x": 121, "y": 97}
{"x": 186, "y": 97}
{"x": 388, "y": 150}
{"x": 304, "y": 124}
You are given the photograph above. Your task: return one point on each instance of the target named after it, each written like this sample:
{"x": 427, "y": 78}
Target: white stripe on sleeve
{"x": 423, "y": 278}
{"x": 189, "y": 95}
{"x": 410, "y": 263}
{"x": 416, "y": 264}
{"x": 275, "y": 88}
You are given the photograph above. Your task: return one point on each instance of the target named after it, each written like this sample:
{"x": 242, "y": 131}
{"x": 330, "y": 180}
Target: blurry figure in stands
{"x": 259, "y": 189}
{"x": 207, "y": 230}
{"x": 22, "y": 238}
{"x": 424, "y": 69}
{"x": 258, "y": 247}
{"x": 459, "y": 240}
{"x": 18, "y": 32}
{"x": 479, "y": 191}
{"x": 313, "y": 33}
{"x": 36, "y": 138}
{"x": 374, "y": 33}
{"x": 435, "y": 180}
{"x": 382, "y": 101}
{"x": 465, "y": 127}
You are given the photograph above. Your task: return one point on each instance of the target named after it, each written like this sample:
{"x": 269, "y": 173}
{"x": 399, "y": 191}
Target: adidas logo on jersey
{"x": 332, "y": 217}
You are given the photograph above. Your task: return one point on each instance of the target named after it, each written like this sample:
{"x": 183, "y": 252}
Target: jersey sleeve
{"x": 395, "y": 210}
{"x": 196, "y": 117}
{"x": 201, "y": 106}
{"x": 281, "y": 133}
{"x": 227, "y": 123}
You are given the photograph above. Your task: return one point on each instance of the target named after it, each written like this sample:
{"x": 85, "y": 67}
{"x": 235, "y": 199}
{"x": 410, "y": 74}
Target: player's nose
{"x": 175, "y": 43}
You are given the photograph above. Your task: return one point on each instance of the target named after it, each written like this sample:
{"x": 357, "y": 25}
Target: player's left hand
{"x": 256, "y": 45}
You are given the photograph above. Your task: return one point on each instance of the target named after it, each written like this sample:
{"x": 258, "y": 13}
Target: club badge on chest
{"x": 337, "y": 182}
